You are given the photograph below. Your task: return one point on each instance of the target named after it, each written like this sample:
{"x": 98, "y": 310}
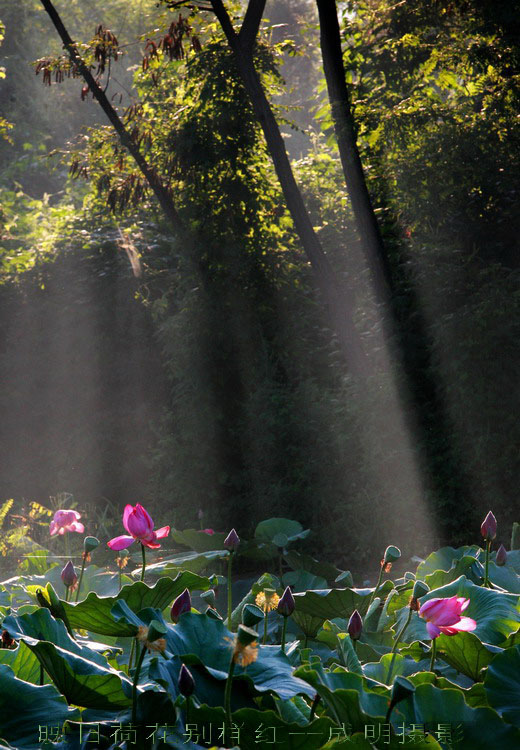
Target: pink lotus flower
{"x": 444, "y": 616}
{"x": 66, "y": 520}
{"x": 208, "y": 531}
{"x": 139, "y": 525}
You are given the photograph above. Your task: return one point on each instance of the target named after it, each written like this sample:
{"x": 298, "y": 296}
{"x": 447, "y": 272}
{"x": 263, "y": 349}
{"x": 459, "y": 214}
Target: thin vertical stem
{"x": 227, "y": 692}
{"x": 136, "y": 680}
{"x": 486, "y": 573}
{"x": 378, "y": 584}
{"x": 266, "y": 615}
{"x": 284, "y": 629}
{"x": 229, "y": 592}
{"x": 80, "y": 577}
{"x": 394, "y": 647}
{"x": 432, "y": 658}
{"x": 143, "y": 552}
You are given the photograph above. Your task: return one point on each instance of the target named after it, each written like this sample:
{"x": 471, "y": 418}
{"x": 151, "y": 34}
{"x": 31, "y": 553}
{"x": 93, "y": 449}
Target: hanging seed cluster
{"x": 172, "y": 44}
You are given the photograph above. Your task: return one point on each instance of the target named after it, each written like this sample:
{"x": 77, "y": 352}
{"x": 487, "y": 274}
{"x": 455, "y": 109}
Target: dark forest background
{"x": 129, "y": 374}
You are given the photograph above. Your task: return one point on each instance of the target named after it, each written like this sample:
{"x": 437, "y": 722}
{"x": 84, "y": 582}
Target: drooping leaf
{"x": 94, "y": 613}
{"x": 502, "y": 684}
{"x": 84, "y": 676}
{"x": 25, "y": 707}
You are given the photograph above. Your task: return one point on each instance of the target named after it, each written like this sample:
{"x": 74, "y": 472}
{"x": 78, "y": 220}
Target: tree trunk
{"x": 340, "y": 306}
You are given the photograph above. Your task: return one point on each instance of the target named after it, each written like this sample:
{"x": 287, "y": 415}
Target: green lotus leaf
{"x": 198, "y": 540}
{"x": 84, "y": 676}
{"x": 298, "y": 561}
{"x": 263, "y": 729}
{"x": 194, "y": 562}
{"x": 25, "y": 707}
{"x": 504, "y": 576}
{"x": 445, "y": 558}
{"x": 280, "y": 531}
{"x": 314, "y": 607}
{"x": 94, "y": 612}
{"x": 466, "y": 653}
{"x": 302, "y": 580}
{"x": 402, "y": 665}
{"x": 472, "y": 728}
{"x": 495, "y": 612}
{"x": 349, "y": 697}
{"x": 23, "y": 662}
{"x": 502, "y": 684}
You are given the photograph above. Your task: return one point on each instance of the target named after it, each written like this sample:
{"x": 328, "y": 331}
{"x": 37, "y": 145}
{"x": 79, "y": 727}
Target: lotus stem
{"x": 432, "y": 658}
{"x": 136, "y": 680}
{"x": 314, "y": 706}
{"x": 81, "y": 576}
{"x": 284, "y": 629}
{"x": 229, "y": 591}
{"x": 394, "y": 647}
{"x": 143, "y": 552}
{"x": 131, "y": 657}
{"x": 266, "y": 615}
{"x": 486, "y": 573}
{"x": 378, "y": 584}
{"x": 227, "y": 692}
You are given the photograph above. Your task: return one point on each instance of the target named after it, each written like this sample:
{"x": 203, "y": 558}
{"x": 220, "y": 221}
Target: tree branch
{"x": 251, "y": 24}
{"x": 161, "y": 193}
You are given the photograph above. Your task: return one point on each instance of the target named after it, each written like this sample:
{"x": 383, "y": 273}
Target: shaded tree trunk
{"x": 340, "y": 306}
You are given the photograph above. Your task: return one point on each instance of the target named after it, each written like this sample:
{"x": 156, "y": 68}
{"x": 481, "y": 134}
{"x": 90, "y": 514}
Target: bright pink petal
{"x": 75, "y": 526}
{"x": 432, "y": 629}
{"x": 128, "y": 509}
{"x": 463, "y": 603}
{"x": 150, "y": 545}
{"x": 140, "y": 524}
{"x": 210, "y": 532}
{"x": 431, "y": 608}
{"x": 121, "y": 542}
{"x": 162, "y": 532}
{"x": 464, "y": 624}
{"x": 53, "y": 528}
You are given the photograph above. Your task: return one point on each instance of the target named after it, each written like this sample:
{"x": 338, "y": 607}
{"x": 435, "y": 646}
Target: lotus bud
{"x": 90, "y": 543}
{"x": 209, "y": 598}
{"x": 186, "y": 682}
{"x": 232, "y": 541}
{"x": 180, "y": 606}
{"x": 355, "y": 626}
{"x": 489, "y": 527}
{"x": 252, "y": 615}
{"x": 68, "y": 575}
{"x": 286, "y": 604}
{"x": 501, "y": 557}
{"x": 246, "y": 636}
{"x": 156, "y": 630}
{"x": 391, "y": 554}
{"x": 200, "y": 516}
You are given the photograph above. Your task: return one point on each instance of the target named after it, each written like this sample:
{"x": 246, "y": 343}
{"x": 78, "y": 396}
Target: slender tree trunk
{"x": 349, "y": 154}
{"x": 341, "y": 308}
{"x": 154, "y": 181}
{"x": 420, "y": 382}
